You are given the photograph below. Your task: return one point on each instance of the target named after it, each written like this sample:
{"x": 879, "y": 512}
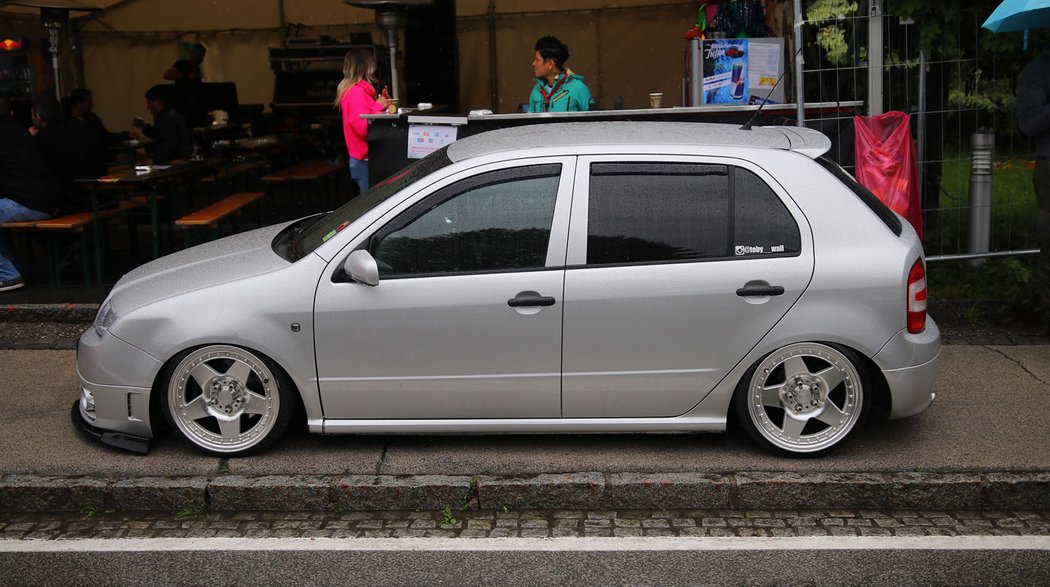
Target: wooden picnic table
{"x": 149, "y": 181}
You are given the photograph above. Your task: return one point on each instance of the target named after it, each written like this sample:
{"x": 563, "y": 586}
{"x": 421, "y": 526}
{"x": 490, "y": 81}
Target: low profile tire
{"x": 803, "y": 399}
{"x": 226, "y": 400}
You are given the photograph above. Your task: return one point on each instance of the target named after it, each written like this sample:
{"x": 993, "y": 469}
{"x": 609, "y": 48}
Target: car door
{"x": 466, "y": 319}
{"x": 676, "y": 268}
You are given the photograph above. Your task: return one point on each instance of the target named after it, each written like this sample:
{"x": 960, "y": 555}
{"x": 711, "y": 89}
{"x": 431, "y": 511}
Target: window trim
{"x": 469, "y": 180}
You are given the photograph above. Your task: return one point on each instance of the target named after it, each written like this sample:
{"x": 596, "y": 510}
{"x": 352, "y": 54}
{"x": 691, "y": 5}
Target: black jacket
{"x": 72, "y": 149}
{"x": 171, "y": 137}
{"x": 25, "y": 176}
{"x": 1033, "y": 102}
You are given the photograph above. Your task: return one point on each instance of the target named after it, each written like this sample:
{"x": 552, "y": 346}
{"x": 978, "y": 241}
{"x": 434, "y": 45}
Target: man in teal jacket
{"x": 557, "y": 89}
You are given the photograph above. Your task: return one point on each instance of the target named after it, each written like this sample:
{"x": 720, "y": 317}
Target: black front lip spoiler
{"x": 128, "y": 442}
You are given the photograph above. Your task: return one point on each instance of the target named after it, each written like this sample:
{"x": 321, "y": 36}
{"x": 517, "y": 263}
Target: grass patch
{"x": 1013, "y": 208}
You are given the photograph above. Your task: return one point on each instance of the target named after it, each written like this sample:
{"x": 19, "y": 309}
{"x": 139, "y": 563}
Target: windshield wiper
{"x": 295, "y": 246}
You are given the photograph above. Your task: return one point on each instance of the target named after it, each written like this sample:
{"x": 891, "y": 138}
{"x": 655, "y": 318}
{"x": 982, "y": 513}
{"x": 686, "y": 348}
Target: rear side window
{"x": 659, "y": 212}
{"x": 871, "y": 200}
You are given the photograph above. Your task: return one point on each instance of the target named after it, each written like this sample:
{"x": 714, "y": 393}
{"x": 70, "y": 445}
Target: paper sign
{"x": 424, "y": 139}
{"x": 763, "y": 65}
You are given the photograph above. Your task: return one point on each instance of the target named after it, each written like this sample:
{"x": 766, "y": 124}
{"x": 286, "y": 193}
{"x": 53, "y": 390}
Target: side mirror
{"x": 361, "y": 267}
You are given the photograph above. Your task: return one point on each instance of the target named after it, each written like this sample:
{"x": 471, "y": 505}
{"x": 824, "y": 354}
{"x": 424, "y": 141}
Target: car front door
{"x": 676, "y": 268}
{"x": 466, "y": 319}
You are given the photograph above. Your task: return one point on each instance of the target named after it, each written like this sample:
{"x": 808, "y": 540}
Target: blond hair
{"x": 358, "y": 64}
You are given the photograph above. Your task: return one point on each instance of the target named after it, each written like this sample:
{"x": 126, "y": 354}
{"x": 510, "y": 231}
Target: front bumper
{"x": 129, "y": 442}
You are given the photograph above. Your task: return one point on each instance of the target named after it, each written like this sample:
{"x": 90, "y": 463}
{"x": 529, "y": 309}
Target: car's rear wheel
{"x": 803, "y": 399}
{"x": 226, "y": 400}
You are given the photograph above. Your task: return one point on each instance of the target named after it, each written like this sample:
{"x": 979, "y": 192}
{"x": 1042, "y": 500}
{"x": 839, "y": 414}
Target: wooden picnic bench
{"x": 74, "y": 224}
{"x": 210, "y": 216}
{"x": 230, "y": 173}
{"x": 312, "y": 171}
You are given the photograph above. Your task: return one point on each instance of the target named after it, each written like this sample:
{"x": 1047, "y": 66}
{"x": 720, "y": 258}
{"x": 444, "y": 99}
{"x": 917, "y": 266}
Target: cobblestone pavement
{"x": 531, "y": 524}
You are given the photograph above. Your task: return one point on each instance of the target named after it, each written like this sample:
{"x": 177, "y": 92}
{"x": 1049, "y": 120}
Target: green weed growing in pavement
{"x": 87, "y": 509}
{"x": 224, "y": 467}
{"x": 447, "y": 518}
{"x": 194, "y": 509}
{"x": 336, "y": 508}
{"x": 471, "y": 495}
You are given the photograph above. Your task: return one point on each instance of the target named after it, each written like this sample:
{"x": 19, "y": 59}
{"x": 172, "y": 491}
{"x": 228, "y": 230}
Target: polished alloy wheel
{"x": 805, "y": 397}
{"x": 223, "y": 399}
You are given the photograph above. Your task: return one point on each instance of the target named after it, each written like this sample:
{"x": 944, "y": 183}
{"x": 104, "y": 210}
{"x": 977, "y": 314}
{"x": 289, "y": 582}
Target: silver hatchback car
{"x": 593, "y": 277}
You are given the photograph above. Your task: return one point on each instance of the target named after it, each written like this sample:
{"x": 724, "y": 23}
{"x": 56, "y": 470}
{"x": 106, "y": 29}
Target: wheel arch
{"x": 876, "y": 391}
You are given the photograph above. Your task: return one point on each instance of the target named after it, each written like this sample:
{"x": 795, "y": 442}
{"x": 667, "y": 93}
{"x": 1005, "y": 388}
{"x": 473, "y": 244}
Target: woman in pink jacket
{"x": 357, "y": 96}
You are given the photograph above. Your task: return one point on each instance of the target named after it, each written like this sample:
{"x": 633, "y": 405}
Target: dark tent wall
{"x": 624, "y": 49}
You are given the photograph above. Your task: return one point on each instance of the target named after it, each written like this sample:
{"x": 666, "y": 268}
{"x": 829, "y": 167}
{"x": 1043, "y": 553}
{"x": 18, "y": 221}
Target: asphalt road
{"x": 990, "y": 415}
{"x": 1017, "y": 560}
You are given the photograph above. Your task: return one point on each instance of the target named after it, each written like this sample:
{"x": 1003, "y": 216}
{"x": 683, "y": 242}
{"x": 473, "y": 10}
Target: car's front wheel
{"x": 226, "y": 400}
{"x": 803, "y": 398}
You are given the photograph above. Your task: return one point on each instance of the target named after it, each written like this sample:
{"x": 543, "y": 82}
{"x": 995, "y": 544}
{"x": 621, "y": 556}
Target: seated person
{"x": 71, "y": 149}
{"x": 81, "y": 110}
{"x": 29, "y": 190}
{"x": 171, "y": 138}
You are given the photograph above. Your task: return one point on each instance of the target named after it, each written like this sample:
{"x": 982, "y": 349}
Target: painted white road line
{"x": 533, "y": 544}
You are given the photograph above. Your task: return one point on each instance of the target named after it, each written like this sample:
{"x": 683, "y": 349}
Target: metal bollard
{"x": 982, "y": 166}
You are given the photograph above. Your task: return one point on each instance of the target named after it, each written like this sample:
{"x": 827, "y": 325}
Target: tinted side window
{"x": 648, "y": 212}
{"x": 762, "y": 225}
{"x": 491, "y": 222}
{"x": 654, "y": 212}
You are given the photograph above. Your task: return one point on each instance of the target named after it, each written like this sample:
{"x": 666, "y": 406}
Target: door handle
{"x": 760, "y": 290}
{"x": 527, "y": 299}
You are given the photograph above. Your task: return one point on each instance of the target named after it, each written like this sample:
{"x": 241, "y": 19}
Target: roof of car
{"x": 578, "y": 134}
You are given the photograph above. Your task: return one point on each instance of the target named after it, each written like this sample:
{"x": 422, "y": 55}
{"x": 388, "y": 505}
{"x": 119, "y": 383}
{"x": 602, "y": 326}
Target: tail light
{"x": 917, "y": 298}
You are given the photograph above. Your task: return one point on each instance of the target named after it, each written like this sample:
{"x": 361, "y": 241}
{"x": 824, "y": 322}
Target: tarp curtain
{"x": 885, "y": 159}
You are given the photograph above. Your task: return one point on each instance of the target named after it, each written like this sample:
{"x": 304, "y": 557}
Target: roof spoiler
{"x": 810, "y": 142}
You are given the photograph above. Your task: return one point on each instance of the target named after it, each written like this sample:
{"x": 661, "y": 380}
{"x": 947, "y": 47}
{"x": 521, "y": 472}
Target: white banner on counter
{"x": 424, "y": 139}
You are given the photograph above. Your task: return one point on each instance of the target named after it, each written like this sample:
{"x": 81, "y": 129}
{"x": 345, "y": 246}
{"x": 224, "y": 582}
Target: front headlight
{"x": 105, "y": 318}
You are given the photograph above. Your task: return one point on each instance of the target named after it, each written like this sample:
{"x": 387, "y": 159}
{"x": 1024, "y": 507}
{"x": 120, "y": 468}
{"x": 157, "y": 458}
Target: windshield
{"x": 327, "y": 226}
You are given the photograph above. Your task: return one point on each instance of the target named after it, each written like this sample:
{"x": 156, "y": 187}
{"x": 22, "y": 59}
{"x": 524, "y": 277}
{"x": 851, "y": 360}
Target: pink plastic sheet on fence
{"x": 885, "y": 157}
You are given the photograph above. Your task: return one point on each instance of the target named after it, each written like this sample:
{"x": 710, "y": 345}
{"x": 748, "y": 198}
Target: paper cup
{"x": 655, "y": 99}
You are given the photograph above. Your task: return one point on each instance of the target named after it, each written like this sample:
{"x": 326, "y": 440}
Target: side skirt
{"x": 529, "y": 426}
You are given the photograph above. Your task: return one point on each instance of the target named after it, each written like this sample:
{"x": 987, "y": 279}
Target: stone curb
{"x": 589, "y": 490}
{"x": 76, "y": 313}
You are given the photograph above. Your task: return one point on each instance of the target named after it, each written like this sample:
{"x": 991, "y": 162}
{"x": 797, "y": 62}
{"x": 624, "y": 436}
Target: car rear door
{"x": 677, "y": 266}
{"x": 466, "y": 319}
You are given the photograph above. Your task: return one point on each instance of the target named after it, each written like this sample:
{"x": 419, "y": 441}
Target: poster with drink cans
{"x": 725, "y": 71}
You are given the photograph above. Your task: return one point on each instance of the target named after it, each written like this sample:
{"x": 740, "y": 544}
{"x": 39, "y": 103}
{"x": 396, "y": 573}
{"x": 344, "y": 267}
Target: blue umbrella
{"x": 1019, "y": 15}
